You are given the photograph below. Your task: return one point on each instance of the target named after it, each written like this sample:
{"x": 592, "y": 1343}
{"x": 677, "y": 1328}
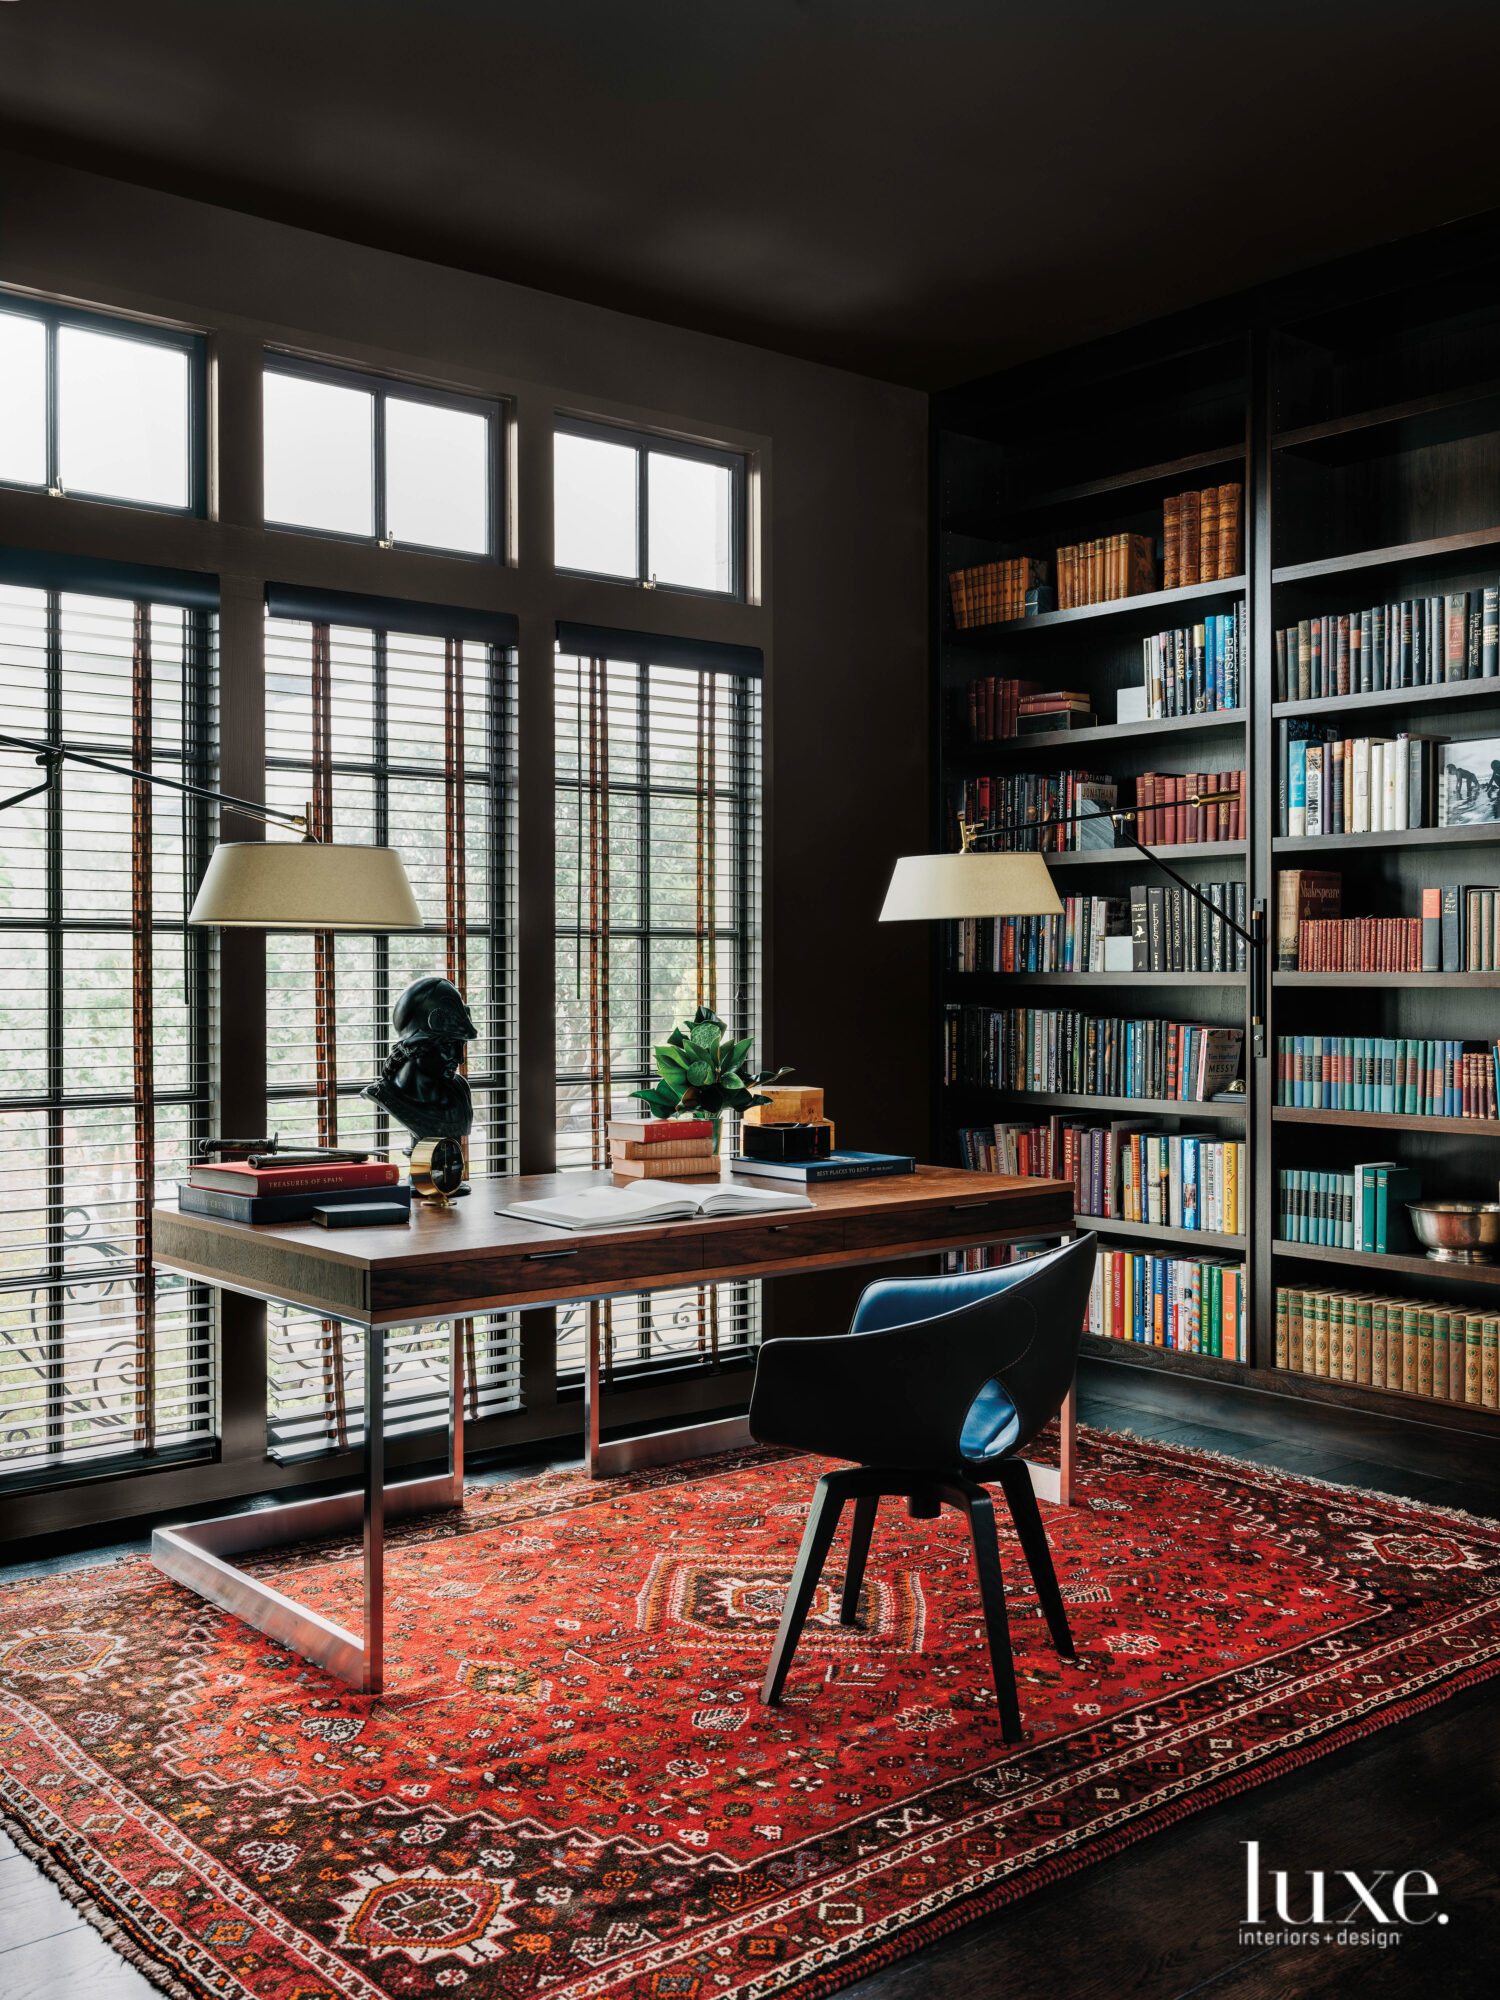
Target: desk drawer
{"x": 565, "y": 1269}
{"x": 977, "y": 1221}
{"x": 769, "y": 1242}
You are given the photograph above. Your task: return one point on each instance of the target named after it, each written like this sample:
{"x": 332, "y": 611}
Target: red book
{"x": 237, "y": 1178}
{"x": 643, "y": 1131}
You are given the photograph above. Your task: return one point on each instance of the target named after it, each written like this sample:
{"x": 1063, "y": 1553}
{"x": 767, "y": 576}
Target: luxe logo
{"x": 1383, "y": 1897}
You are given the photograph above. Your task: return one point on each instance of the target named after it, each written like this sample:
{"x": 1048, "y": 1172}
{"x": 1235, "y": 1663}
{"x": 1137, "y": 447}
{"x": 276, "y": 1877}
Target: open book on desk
{"x": 645, "y": 1202}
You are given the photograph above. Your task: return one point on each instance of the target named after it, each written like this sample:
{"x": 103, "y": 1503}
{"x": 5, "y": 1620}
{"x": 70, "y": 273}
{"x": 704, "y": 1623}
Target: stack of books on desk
{"x": 662, "y": 1149}
{"x": 287, "y": 1191}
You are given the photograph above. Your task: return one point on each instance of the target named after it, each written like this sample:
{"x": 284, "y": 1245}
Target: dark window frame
{"x": 380, "y": 388}
{"x": 735, "y": 463}
{"x": 119, "y": 326}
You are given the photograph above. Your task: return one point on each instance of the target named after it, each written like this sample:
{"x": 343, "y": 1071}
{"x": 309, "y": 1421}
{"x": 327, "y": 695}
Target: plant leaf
{"x": 707, "y": 1034}
{"x": 701, "y": 1075}
{"x": 670, "y": 1060}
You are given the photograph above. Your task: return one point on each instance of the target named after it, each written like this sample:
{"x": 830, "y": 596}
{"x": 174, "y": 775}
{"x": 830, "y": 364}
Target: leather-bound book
{"x": 1208, "y": 534}
{"x": 1190, "y": 572}
{"x": 1231, "y": 529}
{"x": 1171, "y": 525}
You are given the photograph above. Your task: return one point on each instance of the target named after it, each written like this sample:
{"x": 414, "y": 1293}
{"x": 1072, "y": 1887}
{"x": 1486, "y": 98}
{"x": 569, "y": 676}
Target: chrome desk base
{"x": 197, "y": 1553}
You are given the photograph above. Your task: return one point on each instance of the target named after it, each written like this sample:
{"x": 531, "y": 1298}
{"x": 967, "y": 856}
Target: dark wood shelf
{"x": 1412, "y": 836}
{"x": 1185, "y": 850}
{"x": 1144, "y": 1354}
{"x": 1010, "y": 747}
{"x": 1446, "y": 694}
{"x": 1418, "y": 421}
{"x": 1115, "y": 1107}
{"x": 1387, "y": 1121}
{"x": 1408, "y": 980}
{"x": 1374, "y": 1260}
{"x": 1389, "y": 493}
{"x": 1208, "y": 1240}
{"x": 1112, "y": 978}
{"x": 1469, "y": 1417}
{"x": 990, "y": 523}
{"x": 1147, "y": 605}
{"x": 1387, "y": 558}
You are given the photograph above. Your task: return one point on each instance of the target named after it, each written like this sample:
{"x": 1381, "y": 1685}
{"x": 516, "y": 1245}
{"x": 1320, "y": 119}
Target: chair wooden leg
{"x": 981, "y": 1515}
{"x": 859, "y": 1549}
{"x": 817, "y": 1536}
{"x": 1021, "y": 1498}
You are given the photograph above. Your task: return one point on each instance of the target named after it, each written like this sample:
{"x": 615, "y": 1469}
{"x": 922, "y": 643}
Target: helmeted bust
{"x": 419, "y": 1083}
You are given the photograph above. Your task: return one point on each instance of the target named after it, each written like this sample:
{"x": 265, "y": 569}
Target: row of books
{"x": 1360, "y": 1210}
{"x": 994, "y": 1256}
{"x": 1122, "y": 1171}
{"x": 993, "y": 593}
{"x": 1458, "y": 930}
{"x": 1110, "y": 566}
{"x": 1195, "y": 669}
{"x": 1421, "y": 642}
{"x": 1191, "y": 1306}
{"x": 1170, "y": 1180}
{"x": 1073, "y": 942}
{"x": 1411, "y": 1347}
{"x": 1361, "y": 784}
{"x": 1393, "y": 1075}
{"x": 1171, "y": 931}
{"x": 1166, "y": 818}
{"x": 1036, "y": 796}
{"x": 1203, "y": 535}
{"x": 992, "y": 706}
{"x": 1063, "y": 1049}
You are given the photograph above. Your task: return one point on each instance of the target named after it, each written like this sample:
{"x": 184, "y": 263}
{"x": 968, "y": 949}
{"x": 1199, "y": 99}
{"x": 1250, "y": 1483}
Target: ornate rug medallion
{"x": 570, "y": 1789}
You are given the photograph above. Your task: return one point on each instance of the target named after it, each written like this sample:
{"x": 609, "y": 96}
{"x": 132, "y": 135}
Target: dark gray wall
{"x": 841, "y": 616}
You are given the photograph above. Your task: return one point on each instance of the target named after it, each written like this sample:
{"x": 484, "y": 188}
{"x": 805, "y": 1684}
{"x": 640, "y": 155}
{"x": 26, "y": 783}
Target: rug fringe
{"x": 1308, "y": 1479}
{"x": 95, "y": 1915}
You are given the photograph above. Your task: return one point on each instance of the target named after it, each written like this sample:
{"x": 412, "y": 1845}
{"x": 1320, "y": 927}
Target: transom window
{"x": 100, "y": 408}
{"x": 647, "y": 510}
{"x": 376, "y": 461}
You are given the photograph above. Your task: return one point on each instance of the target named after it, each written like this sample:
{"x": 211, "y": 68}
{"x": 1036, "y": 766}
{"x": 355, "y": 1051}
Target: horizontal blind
{"x": 401, "y": 739}
{"x": 658, "y": 787}
{"x": 107, "y": 1015}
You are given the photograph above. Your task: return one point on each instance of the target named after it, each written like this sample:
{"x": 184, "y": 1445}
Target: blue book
{"x": 1296, "y": 795}
{"x": 840, "y": 1166}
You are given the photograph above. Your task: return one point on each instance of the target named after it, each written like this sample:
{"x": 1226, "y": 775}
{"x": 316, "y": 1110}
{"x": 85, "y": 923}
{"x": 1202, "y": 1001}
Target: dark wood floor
{"x": 1160, "y": 1921}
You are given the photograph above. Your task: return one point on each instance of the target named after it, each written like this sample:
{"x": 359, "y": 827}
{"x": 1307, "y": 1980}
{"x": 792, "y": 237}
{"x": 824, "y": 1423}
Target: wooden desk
{"x": 451, "y": 1263}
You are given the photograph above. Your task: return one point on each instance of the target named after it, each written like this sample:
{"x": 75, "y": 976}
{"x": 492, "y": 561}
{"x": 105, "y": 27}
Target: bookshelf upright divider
{"x": 1359, "y": 411}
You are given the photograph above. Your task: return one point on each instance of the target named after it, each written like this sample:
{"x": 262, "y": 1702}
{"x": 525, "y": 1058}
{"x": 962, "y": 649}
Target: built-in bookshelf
{"x": 1359, "y": 408}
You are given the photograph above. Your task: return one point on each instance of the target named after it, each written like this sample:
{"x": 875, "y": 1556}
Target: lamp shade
{"x": 305, "y": 885}
{"x": 970, "y": 885}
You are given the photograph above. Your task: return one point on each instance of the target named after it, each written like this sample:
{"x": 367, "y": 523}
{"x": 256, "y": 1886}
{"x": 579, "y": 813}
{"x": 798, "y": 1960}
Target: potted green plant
{"x": 701, "y": 1073}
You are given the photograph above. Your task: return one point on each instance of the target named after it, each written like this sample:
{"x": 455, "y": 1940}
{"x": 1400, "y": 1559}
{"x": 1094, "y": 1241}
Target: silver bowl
{"x": 1457, "y": 1232}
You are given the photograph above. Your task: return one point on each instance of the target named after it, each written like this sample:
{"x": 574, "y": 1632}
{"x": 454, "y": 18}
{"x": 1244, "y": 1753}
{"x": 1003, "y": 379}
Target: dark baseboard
{"x": 1337, "y": 1430}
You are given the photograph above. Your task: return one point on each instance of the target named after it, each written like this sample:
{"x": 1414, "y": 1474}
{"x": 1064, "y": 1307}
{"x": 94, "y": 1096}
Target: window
{"x": 106, "y": 1015}
{"x": 644, "y": 510}
{"x": 658, "y": 911}
{"x": 403, "y": 738}
{"x": 349, "y": 454}
{"x": 103, "y": 409}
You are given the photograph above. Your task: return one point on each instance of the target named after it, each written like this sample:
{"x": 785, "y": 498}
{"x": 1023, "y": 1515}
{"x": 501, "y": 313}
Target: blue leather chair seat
{"x": 992, "y": 1425}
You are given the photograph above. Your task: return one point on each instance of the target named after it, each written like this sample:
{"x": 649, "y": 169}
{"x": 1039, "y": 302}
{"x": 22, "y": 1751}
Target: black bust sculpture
{"x": 419, "y": 1083}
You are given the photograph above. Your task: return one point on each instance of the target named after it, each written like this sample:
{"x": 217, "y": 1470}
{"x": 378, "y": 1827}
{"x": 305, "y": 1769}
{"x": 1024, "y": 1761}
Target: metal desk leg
{"x": 591, "y": 1395}
{"x": 456, "y": 1411}
{"x": 373, "y": 1661}
{"x": 1067, "y": 1424}
{"x": 202, "y": 1554}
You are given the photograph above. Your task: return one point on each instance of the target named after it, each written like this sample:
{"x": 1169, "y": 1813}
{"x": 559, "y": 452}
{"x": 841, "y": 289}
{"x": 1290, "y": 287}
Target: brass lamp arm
{"x": 52, "y": 754}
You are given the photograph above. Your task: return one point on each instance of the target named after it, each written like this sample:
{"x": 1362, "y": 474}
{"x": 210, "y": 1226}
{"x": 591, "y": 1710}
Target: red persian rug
{"x": 570, "y": 1790}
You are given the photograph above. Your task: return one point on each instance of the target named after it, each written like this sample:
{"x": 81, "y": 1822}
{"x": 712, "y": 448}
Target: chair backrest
{"x": 897, "y": 1391}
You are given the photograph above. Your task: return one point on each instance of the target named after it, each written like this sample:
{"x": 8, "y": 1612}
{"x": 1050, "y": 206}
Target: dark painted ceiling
{"x": 920, "y": 191}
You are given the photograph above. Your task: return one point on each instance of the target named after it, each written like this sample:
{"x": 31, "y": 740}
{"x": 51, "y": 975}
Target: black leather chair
{"x": 937, "y": 1386}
